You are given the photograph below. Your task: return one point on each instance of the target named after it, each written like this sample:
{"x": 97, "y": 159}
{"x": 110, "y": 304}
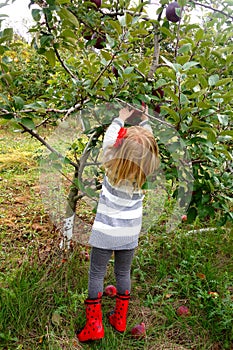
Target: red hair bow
{"x": 121, "y": 135}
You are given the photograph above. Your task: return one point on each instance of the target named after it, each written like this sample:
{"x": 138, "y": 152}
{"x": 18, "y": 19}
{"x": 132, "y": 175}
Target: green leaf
{"x": 90, "y": 192}
{"x": 189, "y": 65}
{"x": 28, "y": 122}
{"x": 199, "y": 34}
{"x": 45, "y": 40}
{"x": 36, "y": 14}
{"x": 128, "y": 19}
{"x": 7, "y": 34}
{"x": 128, "y": 70}
{"x": 223, "y": 119}
{"x": 18, "y": 102}
{"x": 227, "y": 133}
{"x": 111, "y": 41}
{"x": 68, "y": 33}
{"x": 106, "y": 55}
{"x": 159, "y": 83}
{"x": 69, "y": 17}
{"x": 185, "y": 48}
{"x": 170, "y": 64}
{"x": 213, "y": 79}
{"x": 211, "y": 134}
{"x": 172, "y": 113}
{"x": 166, "y": 32}
{"x": 51, "y": 57}
{"x": 223, "y": 81}
{"x": 116, "y": 25}
{"x": 183, "y": 99}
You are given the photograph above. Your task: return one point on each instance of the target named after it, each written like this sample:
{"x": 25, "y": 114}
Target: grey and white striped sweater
{"x": 118, "y": 220}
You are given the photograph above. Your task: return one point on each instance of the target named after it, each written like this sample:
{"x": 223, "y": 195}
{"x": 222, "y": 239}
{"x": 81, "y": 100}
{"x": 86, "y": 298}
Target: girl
{"x": 129, "y": 156}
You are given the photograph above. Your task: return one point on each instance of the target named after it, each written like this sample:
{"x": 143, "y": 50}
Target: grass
{"x": 42, "y": 288}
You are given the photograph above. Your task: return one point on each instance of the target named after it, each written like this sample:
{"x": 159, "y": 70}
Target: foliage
{"x": 190, "y": 62}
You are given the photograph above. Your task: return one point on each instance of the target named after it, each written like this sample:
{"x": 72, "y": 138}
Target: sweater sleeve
{"x": 112, "y": 133}
{"x": 145, "y": 124}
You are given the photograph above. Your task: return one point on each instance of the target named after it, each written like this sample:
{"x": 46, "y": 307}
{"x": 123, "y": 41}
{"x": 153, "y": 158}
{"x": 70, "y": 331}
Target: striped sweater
{"x": 118, "y": 219}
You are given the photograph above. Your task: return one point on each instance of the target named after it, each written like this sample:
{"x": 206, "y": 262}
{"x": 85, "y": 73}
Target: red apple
{"x": 184, "y": 218}
{"x": 171, "y": 12}
{"x": 97, "y": 3}
{"x": 183, "y": 311}
{"x": 85, "y": 255}
{"x": 110, "y": 291}
{"x": 139, "y": 331}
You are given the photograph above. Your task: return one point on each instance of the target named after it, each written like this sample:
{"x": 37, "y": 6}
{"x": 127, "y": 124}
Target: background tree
{"x": 92, "y": 53}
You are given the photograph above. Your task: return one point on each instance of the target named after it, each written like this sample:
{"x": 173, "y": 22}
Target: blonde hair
{"x": 135, "y": 159}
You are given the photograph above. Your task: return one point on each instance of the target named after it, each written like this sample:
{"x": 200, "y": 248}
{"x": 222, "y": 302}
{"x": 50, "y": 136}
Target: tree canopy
{"x": 95, "y": 53}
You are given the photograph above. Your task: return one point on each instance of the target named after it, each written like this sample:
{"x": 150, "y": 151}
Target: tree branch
{"x": 41, "y": 140}
{"x": 148, "y": 115}
{"x": 58, "y": 54}
{"x": 155, "y": 60}
{"x": 211, "y": 8}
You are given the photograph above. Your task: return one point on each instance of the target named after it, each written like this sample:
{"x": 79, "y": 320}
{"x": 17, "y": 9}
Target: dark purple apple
{"x": 87, "y": 34}
{"x": 99, "y": 40}
{"x": 157, "y": 109}
{"x": 158, "y": 92}
{"x": 97, "y": 3}
{"x": 115, "y": 71}
{"x": 171, "y": 12}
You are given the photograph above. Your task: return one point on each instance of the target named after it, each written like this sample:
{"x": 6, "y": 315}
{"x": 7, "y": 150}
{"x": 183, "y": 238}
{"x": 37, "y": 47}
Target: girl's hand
{"x": 125, "y": 113}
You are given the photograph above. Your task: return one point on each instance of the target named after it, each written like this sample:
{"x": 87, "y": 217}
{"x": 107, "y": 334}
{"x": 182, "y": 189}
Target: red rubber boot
{"x": 93, "y": 330}
{"x": 118, "y": 317}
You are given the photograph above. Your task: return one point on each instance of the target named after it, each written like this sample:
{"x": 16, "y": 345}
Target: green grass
{"x": 42, "y": 289}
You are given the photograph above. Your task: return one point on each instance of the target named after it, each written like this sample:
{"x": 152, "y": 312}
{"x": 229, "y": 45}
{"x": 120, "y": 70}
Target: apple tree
{"x": 176, "y": 59}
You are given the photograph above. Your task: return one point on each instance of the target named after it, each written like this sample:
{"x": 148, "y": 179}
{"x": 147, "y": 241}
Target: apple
{"x": 139, "y": 331}
{"x": 157, "y": 109}
{"x": 85, "y": 255}
{"x": 115, "y": 71}
{"x": 213, "y": 294}
{"x": 99, "y": 40}
{"x": 171, "y": 12}
{"x": 184, "y": 218}
{"x": 97, "y": 3}
{"x": 143, "y": 104}
{"x": 158, "y": 92}
{"x": 87, "y": 34}
{"x": 110, "y": 291}
{"x": 183, "y": 311}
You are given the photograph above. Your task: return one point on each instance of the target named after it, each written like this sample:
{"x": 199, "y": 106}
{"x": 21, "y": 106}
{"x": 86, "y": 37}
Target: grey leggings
{"x": 98, "y": 265}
